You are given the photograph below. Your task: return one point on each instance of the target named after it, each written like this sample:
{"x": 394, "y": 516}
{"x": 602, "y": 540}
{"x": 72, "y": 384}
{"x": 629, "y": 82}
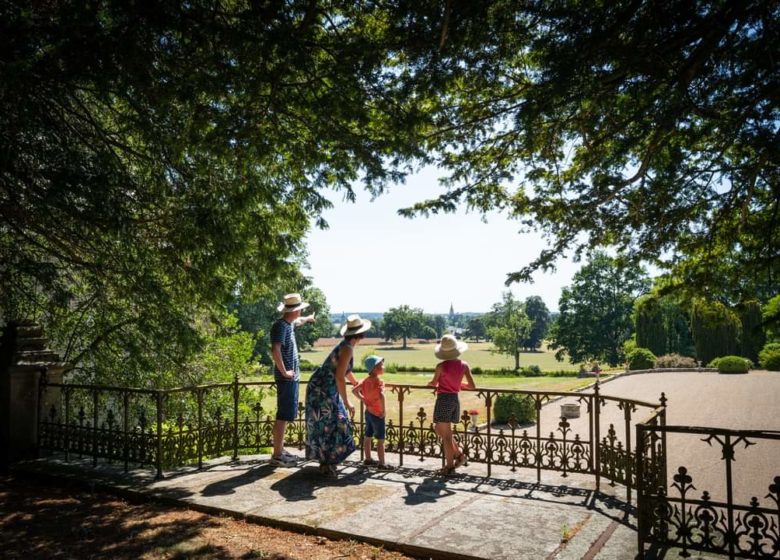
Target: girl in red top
{"x": 448, "y": 380}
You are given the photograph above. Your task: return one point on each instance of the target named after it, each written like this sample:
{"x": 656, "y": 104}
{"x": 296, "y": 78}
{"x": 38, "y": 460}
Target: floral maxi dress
{"x": 329, "y": 438}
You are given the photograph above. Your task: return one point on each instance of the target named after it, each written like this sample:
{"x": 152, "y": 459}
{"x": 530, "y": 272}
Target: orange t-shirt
{"x": 372, "y": 389}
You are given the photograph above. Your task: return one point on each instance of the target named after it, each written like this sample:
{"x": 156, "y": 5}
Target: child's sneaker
{"x": 385, "y": 467}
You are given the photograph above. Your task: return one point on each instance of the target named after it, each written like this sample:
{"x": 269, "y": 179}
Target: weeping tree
{"x": 650, "y": 325}
{"x": 753, "y": 337}
{"x": 716, "y": 330}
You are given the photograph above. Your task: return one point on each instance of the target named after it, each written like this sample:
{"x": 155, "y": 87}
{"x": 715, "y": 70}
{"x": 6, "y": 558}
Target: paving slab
{"x": 470, "y": 516}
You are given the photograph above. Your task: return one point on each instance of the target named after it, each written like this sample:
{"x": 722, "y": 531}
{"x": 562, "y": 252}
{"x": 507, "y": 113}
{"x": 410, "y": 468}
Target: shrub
{"x": 476, "y": 370}
{"x": 532, "y": 371}
{"x": 732, "y": 364}
{"x": 675, "y": 361}
{"x": 769, "y": 357}
{"x": 520, "y": 405}
{"x": 640, "y": 358}
{"x": 306, "y": 365}
{"x": 713, "y": 363}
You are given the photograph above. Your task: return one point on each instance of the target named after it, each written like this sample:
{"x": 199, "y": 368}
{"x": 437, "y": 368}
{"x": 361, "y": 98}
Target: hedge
{"x": 522, "y": 406}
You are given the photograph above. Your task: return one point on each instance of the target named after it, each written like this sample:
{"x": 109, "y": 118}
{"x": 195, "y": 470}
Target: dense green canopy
{"x": 650, "y": 127}
{"x": 155, "y": 158}
{"x": 158, "y": 158}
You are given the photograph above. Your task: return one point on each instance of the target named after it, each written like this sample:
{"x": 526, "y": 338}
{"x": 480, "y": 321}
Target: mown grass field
{"x": 423, "y": 397}
{"x": 421, "y": 355}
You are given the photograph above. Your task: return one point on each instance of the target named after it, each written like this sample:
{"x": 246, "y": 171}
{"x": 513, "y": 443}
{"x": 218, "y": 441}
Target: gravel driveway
{"x": 740, "y": 402}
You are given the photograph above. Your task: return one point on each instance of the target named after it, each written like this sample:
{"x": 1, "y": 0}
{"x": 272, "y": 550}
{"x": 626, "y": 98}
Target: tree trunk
{"x": 517, "y": 361}
{"x": 404, "y": 342}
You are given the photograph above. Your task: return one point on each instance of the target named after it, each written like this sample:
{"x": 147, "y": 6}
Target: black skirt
{"x": 447, "y": 408}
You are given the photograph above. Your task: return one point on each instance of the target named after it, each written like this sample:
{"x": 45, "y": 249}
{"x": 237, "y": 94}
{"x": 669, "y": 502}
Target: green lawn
{"x": 421, "y": 355}
{"x": 424, "y": 397}
{"x": 468, "y": 399}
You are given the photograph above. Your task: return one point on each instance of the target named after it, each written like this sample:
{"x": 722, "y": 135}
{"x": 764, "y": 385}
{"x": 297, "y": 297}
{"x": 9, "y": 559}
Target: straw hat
{"x": 449, "y": 348}
{"x": 292, "y": 302}
{"x": 355, "y": 325}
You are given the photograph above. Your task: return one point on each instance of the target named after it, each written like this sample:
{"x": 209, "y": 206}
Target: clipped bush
{"x": 769, "y": 357}
{"x": 532, "y": 371}
{"x": 520, "y": 405}
{"x": 731, "y": 364}
{"x": 476, "y": 370}
{"x": 640, "y": 358}
{"x": 675, "y": 361}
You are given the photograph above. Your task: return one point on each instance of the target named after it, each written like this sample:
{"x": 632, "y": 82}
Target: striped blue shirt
{"x": 284, "y": 333}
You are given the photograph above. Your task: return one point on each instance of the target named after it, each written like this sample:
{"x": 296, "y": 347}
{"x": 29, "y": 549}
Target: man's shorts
{"x": 375, "y": 426}
{"x": 286, "y": 400}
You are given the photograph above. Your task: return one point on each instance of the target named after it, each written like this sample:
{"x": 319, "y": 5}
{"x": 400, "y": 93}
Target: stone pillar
{"x": 24, "y": 360}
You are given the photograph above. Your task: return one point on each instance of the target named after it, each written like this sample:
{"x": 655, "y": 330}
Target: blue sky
{"x": 371, "y": 259}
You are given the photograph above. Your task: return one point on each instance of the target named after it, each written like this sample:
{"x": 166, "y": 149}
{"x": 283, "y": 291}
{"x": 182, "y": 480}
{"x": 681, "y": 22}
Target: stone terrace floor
{"x": 507, "y": 516}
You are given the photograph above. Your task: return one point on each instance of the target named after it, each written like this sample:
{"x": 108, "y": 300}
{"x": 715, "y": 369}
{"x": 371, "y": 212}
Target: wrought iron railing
{"x": 672, "y": 515}
{"x": 168, "y": 428}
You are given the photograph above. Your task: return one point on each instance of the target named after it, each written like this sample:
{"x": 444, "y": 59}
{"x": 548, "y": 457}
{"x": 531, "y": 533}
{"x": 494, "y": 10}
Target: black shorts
{"x": 447, "y": 408}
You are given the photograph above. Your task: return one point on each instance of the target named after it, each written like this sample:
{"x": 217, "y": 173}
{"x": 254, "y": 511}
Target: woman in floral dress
{"x": 329, "y": 437}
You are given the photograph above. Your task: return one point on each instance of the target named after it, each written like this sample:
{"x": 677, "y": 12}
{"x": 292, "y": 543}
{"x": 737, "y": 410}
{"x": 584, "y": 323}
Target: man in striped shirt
{"x": 287, "y": 372}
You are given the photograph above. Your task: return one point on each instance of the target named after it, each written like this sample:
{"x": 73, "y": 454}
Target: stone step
{"x": 36, "y": 366}
{"x": 36, "y": 356}
{"x": 31, "y": 343}
{"x": 29, "y": 331}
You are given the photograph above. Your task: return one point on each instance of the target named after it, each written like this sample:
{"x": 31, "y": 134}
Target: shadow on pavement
{"x": 228, "y": 486}
{"x": 429, "y": 491}
{"x": 302, "y": 484}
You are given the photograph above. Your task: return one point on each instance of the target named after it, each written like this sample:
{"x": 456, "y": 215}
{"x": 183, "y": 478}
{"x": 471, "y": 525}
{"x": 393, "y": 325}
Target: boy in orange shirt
{"x": 371, "y": 391}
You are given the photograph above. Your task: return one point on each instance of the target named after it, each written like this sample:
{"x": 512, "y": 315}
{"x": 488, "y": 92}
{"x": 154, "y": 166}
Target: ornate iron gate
{"x": 673, "y": 516}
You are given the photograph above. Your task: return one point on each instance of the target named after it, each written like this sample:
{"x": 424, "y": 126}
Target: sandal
{"x": 460, "y": 460}
{"x": 385, "y": 467}
{"x": 328, "y": 471}
{"x": 446, "y": 471}
{"x": 370, "y": 463}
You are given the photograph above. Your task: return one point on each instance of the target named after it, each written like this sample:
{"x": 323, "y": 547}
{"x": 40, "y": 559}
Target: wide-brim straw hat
{"x": 449, "y": 348}
{"x": 292, "y": 302}
{"x": 355, "y": 325}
